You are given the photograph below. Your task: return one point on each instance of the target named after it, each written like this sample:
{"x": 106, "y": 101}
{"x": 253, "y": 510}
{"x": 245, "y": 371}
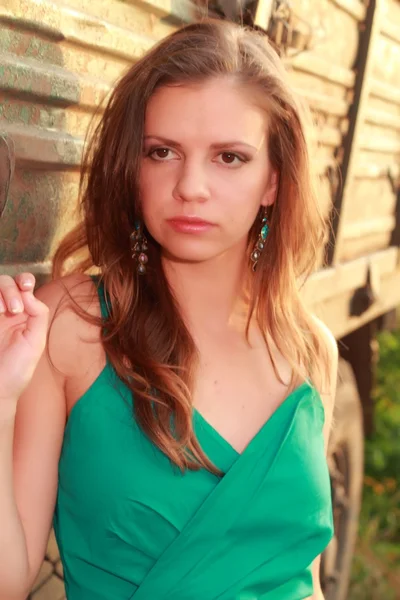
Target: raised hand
{"x": 23, "y": 330}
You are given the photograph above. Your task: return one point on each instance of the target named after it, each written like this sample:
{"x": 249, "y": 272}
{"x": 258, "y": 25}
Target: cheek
{"x": 153, "y": 192}
{"x": 244, "y": 197}
{"x": 147, "y": 183}
{"x": 241, "y": 217}
{"x": 155, "y": 197}
{"x": 156, "y": 181}
{"x": 149, "y": 201}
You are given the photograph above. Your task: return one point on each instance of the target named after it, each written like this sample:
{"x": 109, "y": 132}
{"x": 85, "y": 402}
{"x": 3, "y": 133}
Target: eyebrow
{"x": 215, "y": 146}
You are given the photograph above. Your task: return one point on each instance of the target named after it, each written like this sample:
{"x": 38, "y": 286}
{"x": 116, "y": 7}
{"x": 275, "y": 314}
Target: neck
{"x": 210, "y": 294}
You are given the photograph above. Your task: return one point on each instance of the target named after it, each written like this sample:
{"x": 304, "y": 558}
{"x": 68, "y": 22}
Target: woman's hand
{"x": 23, "y": 330}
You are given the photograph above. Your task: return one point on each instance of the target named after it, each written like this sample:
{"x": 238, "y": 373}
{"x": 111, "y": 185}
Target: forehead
{"x": 217, "y": 108}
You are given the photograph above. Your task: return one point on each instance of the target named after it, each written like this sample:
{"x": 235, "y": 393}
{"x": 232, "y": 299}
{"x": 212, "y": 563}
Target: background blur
{"x": 376, "y": 565}
{"x": 59, "y": 59}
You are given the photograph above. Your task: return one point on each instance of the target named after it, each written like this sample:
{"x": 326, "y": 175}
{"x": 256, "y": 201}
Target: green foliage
{"x": 367, "y": 581}
{"x": 383, "y": 449}
{"x": 382, "y": 454}
{"x": 377, "y": 559}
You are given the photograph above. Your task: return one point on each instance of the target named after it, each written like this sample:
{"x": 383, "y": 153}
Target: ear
{"x": 272, "y": 189}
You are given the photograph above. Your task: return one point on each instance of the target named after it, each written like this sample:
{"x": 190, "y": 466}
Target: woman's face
{"x": 205, "y": 171}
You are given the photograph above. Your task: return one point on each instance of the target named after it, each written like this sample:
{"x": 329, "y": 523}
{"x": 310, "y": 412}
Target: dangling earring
{"x": 259, "y": 247}
{"x": 139, "y": 248}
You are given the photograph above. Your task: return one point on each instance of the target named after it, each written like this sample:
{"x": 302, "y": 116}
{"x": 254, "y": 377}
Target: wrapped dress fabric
{"x": 131, "y": 526}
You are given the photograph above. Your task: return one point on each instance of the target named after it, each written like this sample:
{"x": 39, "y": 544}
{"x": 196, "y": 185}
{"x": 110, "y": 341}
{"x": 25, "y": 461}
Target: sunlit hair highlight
{"x": 145, "y": 337}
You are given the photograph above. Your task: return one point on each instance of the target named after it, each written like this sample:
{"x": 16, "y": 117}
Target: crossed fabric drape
{"x": 131, "y": 526}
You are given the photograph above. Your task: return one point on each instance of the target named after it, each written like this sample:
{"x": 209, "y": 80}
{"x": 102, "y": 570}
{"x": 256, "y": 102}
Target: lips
{"x": 192, "y": 220}
{"x": 189, "y": 224}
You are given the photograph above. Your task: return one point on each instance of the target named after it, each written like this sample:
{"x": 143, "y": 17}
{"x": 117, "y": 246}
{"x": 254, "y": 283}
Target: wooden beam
{"x": 56, "y": 21}
{"x": 379, "y": 143}
{"x": 263, "y": 13}
{"x": 310, "y": 62}
{"x": 30, "y": 77}
{"x": 355, "y": 8}
{"x": 356, "y": 121}
{"x": 327, "y": 293}
{"x": 176, "y": 12}
{"x": 382, "y": 118}
{"x": 321, "y": 165}
{"x": 324, "y": 103}
{"x": 349, "y": 276}
{"x": 371, "y": 170}
{"x": 386, "y": 91}
{"x": 42, "y": 148}
{"x": 391, "y": 30}
{"x": 335, "y": 311}
{"x": 329, "y": 136}
{"x": 367, "y": 227}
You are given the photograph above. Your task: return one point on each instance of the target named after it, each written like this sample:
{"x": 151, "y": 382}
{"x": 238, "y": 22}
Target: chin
{"x": 190, "y": 253}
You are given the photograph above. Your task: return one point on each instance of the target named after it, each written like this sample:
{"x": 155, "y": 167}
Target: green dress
{"x": 131, "y": 526}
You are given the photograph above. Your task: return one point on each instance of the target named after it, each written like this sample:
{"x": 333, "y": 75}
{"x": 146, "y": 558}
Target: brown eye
{"x": 228, "y": 158}
{"x": 160, "y": 152}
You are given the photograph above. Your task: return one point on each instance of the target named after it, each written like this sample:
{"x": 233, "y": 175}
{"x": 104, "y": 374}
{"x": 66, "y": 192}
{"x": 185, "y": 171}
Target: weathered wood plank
{"x": 383, "y": 118}
{"x": 379, "y": 143}
{"x": 371, "y": 170}
{"x": 329, "y": 136}
{"x": 325, "y": 104}
{"x": 40, "y": 147}
{"x": 369, "y": 226}
{"x": 310, "y": 62}
{"x": 354, "y": 7}
{"x": 349, "y": 276}
{"x": 357, "y": 119}
{"x": 391, "y": 30}
{"x": 335, "y": 311}
{"x": 387, "y": 92}
{"x": 62, "y": 23}
{"x": 263, "y": 13}
{"x": 51, "y": 84}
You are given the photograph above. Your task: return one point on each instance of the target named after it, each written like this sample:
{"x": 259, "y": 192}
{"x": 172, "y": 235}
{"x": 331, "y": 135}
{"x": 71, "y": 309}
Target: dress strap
{"x": 104, "y": 306}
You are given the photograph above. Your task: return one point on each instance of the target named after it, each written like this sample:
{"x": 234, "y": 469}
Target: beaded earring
{"x": 259, "y": 247}
{"x": 139, "y": 248}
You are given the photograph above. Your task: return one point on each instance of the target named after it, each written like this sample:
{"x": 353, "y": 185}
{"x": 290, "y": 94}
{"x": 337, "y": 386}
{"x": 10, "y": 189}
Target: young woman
{"x": 177, "y": 425}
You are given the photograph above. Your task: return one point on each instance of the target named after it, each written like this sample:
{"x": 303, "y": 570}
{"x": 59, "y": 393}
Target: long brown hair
{"x": 145, "y": 337}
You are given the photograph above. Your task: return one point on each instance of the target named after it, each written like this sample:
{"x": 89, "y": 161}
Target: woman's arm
{"x": 328, "y": 400}
{"x": 31, "y": 432}
{"x": 317, "y": 595}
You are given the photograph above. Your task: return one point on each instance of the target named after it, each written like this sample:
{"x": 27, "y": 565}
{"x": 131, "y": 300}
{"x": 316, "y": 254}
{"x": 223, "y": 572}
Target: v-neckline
{"x": 224, "y": 442}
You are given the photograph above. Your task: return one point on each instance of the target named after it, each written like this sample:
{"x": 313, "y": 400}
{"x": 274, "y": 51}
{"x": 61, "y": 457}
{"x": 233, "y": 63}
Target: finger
{"x": 32, "y": 306}
{"x": 3, "y": 307}
{"x": 36, "y": 326}
{"x": 11, "y": 294}
{"x": 25, "y": 281}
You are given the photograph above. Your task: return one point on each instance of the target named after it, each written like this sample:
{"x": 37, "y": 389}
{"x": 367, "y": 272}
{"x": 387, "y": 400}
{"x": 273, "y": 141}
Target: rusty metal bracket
{"x": 364, "y": 297}
{"x": 287, "y": 29}
{"x": 7, "y": 167}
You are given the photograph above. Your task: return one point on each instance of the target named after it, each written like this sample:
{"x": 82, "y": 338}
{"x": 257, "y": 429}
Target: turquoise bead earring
{"x": 139, "y": 248}
{"x": 260, "y": 244}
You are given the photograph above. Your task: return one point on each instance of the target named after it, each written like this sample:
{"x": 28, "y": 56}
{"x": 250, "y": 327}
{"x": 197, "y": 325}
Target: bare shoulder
{"x": 70, "y": 300}
{"x": 328, "y": 339}
{"x": 63, "y": 292}
{"x": 328, "y": 386}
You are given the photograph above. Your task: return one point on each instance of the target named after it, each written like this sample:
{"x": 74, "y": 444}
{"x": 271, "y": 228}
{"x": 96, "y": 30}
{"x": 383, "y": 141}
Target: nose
{"x": 192, "y": 183}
